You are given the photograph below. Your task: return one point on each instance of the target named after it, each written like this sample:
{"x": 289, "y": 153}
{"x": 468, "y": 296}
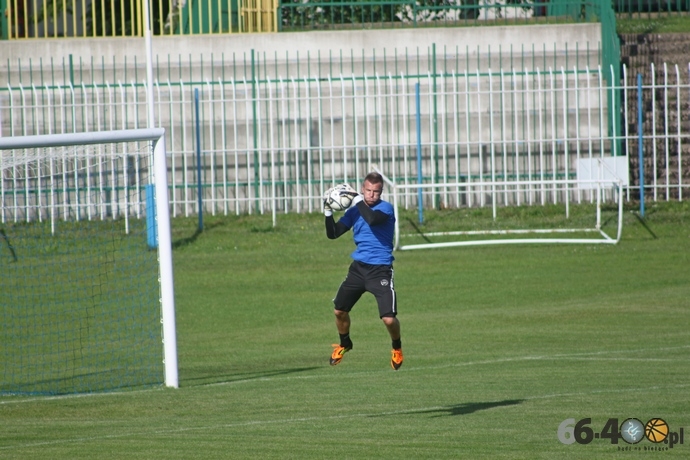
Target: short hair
{"x": 374, "y": 178}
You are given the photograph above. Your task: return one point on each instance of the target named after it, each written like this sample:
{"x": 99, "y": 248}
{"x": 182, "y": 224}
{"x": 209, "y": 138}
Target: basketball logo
{"x": 656, "y": 430}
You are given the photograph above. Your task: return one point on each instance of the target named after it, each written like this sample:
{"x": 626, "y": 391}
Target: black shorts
{"x": 361, "y": 278}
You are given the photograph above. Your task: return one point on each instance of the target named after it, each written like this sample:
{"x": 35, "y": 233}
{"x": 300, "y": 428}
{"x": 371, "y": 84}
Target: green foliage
{"x": 307, "y": 15}
{"x": 501, "y": 345}
{"x": 296, "y": 13}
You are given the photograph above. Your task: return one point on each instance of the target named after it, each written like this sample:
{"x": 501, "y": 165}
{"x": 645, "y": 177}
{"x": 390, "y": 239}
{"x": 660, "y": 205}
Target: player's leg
{"x": 342, "y": 323}
{"x": 349, "y": 292}
{"x": 380, "y": 283}
{"x": 393, "y": 326}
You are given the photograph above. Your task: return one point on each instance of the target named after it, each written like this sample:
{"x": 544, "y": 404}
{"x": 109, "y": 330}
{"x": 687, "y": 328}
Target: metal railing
{"x": 277, "y": 143}
{"x": 265, "y": 15}
{"x": 124, "y": 18}
{"x": 650, "y": 8}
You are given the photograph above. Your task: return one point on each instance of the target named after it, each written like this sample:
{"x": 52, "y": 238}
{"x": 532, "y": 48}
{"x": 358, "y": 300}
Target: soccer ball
{"x": 340, "y": 197}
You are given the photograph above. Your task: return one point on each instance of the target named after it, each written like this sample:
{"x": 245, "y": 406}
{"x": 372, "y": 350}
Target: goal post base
{"x": 497, "y": 190}
{"x": 507, "y": 241}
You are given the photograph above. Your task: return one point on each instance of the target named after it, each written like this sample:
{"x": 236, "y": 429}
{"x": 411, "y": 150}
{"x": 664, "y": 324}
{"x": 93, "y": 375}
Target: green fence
{"x": 31, "y": 19}
{"x": 124, "y": 18}
{"x": 641, "y": 8}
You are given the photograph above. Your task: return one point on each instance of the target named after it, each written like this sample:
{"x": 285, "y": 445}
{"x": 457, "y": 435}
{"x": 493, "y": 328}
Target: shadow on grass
{"x": 470, "y": 408}
{"x": 418, "y": 230}
{"x": 240, "y": 377}
{"x": 642, "y": 221}
{"x": 191, "y": 239}
{"x": 465, "y": 408}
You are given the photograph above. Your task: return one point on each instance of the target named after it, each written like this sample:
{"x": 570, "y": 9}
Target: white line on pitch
{"x": 315, "y": 419}
{"x": 583, "y": 355}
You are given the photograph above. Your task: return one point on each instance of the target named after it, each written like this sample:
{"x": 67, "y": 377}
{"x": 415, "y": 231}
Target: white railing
{"x": 275, "y": 144}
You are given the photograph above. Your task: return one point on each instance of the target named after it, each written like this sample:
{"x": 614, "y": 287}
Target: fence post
{"x": 4, "y": 21}
{"x": 198, "y": 162}
{"x": 640, "y": 148}
{"x": 420, "y": 204}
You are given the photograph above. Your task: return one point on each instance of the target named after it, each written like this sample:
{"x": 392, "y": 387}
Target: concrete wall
{"x": 191, "y": 51}
{"x": 559, "y": 36}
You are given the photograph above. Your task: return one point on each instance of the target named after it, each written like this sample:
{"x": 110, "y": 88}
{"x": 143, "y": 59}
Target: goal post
{"x": 592, "y": 194}
{"x": 87, "y": 295}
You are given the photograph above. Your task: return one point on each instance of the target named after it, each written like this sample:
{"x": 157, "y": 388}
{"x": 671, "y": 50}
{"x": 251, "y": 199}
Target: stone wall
{"x": 655, "y": 57}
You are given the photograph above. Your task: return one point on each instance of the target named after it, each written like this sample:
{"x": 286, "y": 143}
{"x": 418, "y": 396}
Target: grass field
{"x": 502, "y": 344}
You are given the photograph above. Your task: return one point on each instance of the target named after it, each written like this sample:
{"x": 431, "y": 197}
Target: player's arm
{"x": 370, "y": 216}
{"x": 333, "y": 229}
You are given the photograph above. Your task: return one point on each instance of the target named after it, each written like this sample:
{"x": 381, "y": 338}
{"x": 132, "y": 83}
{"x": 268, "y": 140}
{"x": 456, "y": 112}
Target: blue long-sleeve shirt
{"x": 373, "y": 231}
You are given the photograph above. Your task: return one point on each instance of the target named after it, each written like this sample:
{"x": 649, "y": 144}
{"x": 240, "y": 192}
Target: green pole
{"x": 4, "y": 23}
{"x": 71, "y": 70}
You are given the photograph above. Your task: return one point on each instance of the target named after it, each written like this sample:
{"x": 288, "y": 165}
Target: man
{"x": 372, "y": 221}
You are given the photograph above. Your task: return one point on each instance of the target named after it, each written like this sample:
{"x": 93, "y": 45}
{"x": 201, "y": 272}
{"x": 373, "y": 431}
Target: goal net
{"x": 588, "y": 209}
{"x": 86, "y": 292}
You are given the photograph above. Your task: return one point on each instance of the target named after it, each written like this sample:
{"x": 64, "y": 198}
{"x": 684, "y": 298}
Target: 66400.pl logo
{"x": 631, "y": 430}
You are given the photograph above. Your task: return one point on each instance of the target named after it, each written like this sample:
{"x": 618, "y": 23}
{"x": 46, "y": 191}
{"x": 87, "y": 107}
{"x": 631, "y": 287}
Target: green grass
{"x": 502, "y": 344}
{"x": 652, "y": 23}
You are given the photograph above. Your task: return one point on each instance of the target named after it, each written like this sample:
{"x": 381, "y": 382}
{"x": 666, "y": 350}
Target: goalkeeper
{"x": 372, "y": 221}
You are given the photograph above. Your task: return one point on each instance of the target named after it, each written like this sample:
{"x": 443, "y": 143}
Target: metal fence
{"x": 273, "y": 143}
{"x": 22, "y": 19}
{"x": 125, "y": 18}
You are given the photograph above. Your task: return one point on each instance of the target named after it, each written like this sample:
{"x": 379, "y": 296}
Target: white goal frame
{"x": 155, "y": 135}
{"x": 568, "y": 186}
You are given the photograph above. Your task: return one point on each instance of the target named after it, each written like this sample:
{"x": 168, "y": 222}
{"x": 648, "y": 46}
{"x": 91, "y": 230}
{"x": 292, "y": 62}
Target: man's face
{"x": 371, "y": 193}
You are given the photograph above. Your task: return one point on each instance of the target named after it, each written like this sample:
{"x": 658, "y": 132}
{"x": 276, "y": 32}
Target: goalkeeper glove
{"x": 357, "y": 199}
{"x": 327, "y": 211}
{"x": 346, "y": 189}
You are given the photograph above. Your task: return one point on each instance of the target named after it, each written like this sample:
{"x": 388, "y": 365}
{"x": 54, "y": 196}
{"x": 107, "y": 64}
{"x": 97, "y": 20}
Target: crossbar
{"x": 87, "y": 138}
